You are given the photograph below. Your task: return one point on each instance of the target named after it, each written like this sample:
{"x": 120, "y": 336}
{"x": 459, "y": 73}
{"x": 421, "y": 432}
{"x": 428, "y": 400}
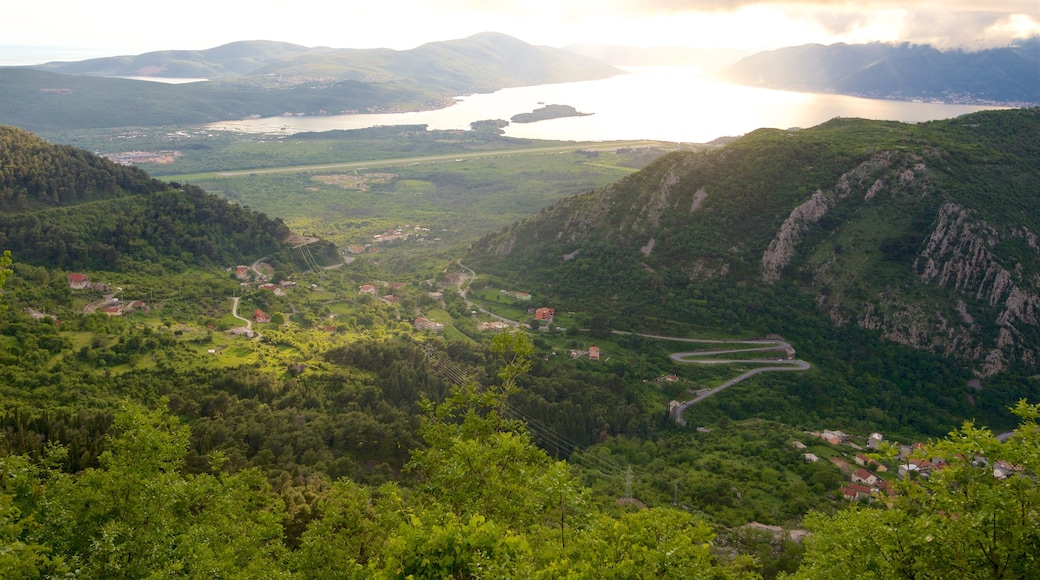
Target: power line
{"x": 548, "y": 436}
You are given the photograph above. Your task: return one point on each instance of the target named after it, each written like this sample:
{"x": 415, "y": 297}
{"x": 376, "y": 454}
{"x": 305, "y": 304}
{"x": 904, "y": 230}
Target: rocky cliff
{"x": 925, "y": 234}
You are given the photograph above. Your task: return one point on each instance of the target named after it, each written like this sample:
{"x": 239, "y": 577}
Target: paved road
{"x": 463, "y": 290}
{"x": 107, "y": 300}
{"x": 234, "y": 312}
{"x": 698, "y": 357}
{"x": 449, "y": 157}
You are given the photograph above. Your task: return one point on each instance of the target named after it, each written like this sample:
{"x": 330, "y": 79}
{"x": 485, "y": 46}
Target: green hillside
{"x": 66, "y": 208}
{"x": 174, "y": 433}
{"x": 849, "y": 236}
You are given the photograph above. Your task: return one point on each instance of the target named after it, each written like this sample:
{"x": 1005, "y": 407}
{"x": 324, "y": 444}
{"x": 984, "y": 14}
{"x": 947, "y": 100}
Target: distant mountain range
{"x": 1009, "y": 75}
{"x": 927, "y": 235}
{"x": 262, "y": 78}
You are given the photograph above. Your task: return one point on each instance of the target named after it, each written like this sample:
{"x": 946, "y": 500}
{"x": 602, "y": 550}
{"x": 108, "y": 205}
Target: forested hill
{"x": 900, "y": 71}
{"x": 926, "y": 235}
{"x": 35, "y": 174}
{"x": 67, "y": 208}
{"x": 270, "y": 79}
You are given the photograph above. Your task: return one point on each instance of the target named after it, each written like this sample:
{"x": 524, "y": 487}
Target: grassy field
{"x": 458, "y": 198}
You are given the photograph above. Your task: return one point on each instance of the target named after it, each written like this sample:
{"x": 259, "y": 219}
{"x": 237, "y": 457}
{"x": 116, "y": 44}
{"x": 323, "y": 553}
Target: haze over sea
{"x": 661, "y": 103}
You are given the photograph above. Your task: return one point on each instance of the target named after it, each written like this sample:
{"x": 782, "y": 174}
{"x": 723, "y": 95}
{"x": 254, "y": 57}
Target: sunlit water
{"x": 661, "y": 103}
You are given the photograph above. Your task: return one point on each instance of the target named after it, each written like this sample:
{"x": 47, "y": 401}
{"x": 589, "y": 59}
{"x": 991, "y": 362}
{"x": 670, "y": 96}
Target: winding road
{"x": 694, "y": 357}
{"x": 468, "y": 279}
{"x": 234, "y": 312}
{"x": 701, "y": 357}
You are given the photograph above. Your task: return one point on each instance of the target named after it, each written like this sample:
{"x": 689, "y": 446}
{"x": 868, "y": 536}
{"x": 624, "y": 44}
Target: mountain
{"x": 900, "y": 71}
{"x": 229, "y": 60}
{"x": 62, "y": 207}
{"x": 268, "y": 79}
{"x": 925, "y": 235}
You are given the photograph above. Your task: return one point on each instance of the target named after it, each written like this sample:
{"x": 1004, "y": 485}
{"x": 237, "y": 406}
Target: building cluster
{"x": 865, "y": 480}
{"x": 136, "y": 157}
{"x": 110, "y": 306}
{"x": 402, "y": 233}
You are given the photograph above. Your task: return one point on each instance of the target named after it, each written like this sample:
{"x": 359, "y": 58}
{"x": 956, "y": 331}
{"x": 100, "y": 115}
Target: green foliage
{"x": 5, "y": 261}
{"x": 136, "y": 514}
{"x": 70, "y": 209}
{"x": 963, "y": 521}
{"x": 859, "y": 265}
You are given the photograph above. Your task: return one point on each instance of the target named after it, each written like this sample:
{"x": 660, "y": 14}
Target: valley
{"x": 344, "y": 381}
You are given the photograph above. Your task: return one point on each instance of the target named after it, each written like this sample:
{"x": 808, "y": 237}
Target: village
{"x": 876, "y": 465}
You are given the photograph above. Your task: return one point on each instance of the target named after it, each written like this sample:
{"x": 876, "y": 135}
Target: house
{"x": 272, "y": 288}
{"x": 78, "y": 281}
{"x": 1002, "y": 469}
{"x": 545, "y": 314}
{"x": 908, "y": 468}
{"x": 593, "y": 353}
{"x": 810, "y": 457}
{"x": 113, "y": 310}
{"x": 862, "y": 460}
{"x": 242, "y": 272}
{"x": 875, "y": 440}
{"x": 865, "y": 477}
{"x": 261, "y": 316}
{"x": 854, "y": 492}
{"x": 422, "y": 323}
{"x": 834, "y": 437}
{"x": 436, "y": 295}
{"x": 367, "y": 289}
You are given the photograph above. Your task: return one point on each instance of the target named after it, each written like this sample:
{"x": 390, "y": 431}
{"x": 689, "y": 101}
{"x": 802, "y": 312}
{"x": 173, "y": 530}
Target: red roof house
{"x": 78, "y": 281}
{"x": 544, "y": 314}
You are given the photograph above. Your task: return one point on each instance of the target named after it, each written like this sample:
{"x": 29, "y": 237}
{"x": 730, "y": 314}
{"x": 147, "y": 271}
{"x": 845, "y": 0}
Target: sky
{"x": 40, "y": 30}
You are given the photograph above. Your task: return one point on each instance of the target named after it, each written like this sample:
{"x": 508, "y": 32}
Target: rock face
{"x": 957, "y": 256}
{"x": 928, "y": 236}
{"x": 784, "y": 245}
{"x": 988, "y": 302}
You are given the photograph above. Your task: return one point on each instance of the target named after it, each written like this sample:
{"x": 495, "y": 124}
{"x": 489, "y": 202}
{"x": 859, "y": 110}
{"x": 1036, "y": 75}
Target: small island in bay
{"x": 548, "y": 112}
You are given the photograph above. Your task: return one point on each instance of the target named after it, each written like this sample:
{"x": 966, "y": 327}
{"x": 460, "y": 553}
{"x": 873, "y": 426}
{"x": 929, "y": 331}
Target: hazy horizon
{"x": 77, "y": 30}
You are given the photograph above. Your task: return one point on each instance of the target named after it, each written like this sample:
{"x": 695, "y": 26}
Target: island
{"x": 548, "y": 112}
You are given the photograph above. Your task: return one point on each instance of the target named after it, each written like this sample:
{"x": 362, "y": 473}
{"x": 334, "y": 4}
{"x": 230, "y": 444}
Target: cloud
{"x": 945, "y": 24}
{"x": 1001, "y": 6}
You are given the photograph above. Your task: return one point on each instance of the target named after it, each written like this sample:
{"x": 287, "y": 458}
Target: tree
{"x": 137, "y": 515}
{"x": 478, "y": 462}
{"x": 964, "y": 521}
{"x": 5, "y": 261}
{"x": 349, "y": 538}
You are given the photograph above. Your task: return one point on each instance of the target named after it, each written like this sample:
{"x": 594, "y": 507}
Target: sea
{"x": 672, "y": 103}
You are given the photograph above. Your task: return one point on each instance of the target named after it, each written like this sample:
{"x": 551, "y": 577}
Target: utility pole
{"x": 675, "y": 498}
